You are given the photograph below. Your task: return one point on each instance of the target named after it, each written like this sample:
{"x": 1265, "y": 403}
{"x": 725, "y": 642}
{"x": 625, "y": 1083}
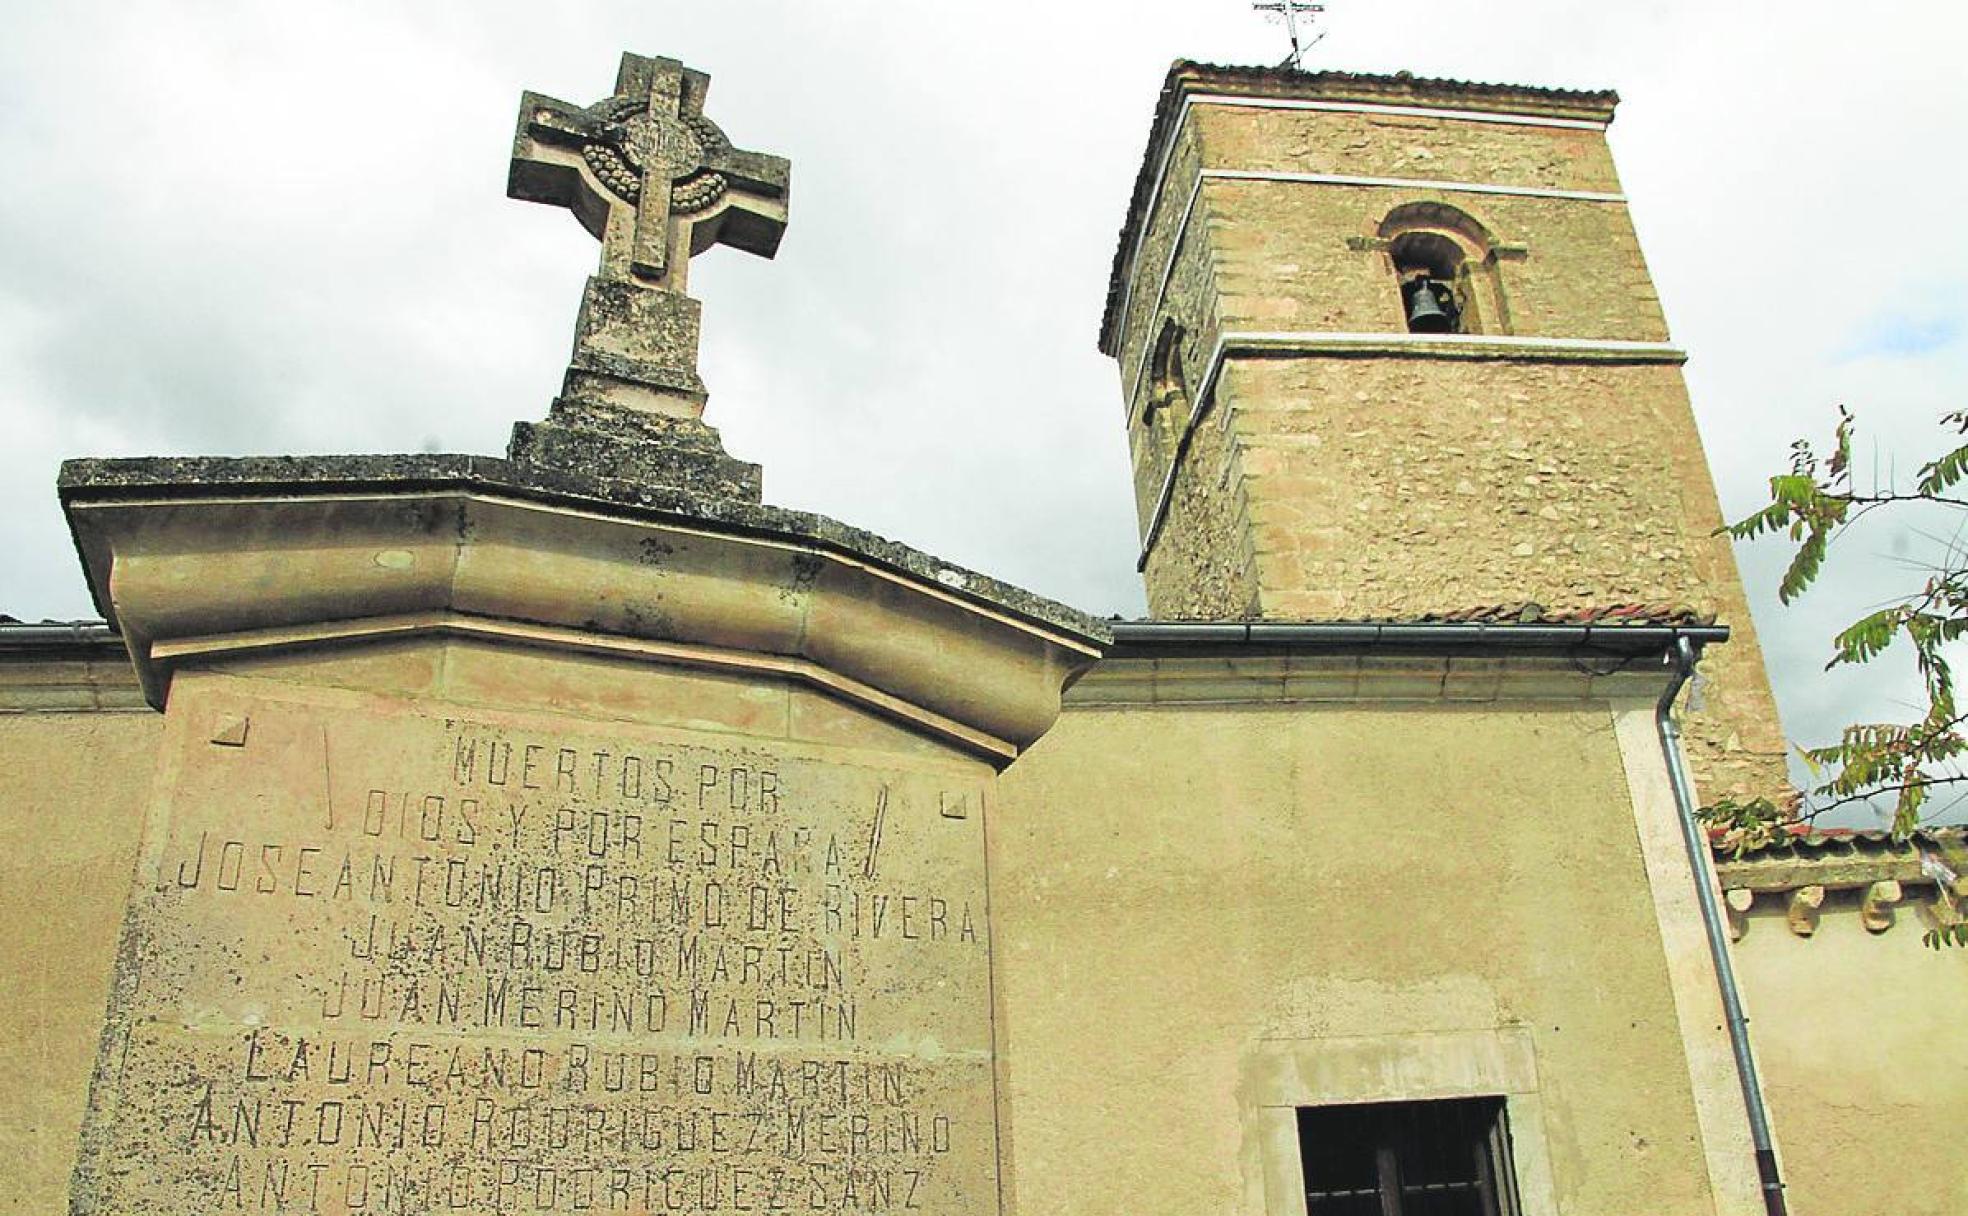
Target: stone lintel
{"x": 180, "y": 552}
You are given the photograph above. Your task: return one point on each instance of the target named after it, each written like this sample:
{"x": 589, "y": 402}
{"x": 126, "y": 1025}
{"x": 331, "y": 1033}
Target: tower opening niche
{"x": 1434, "y": 289}
{"x": 1444, "y": 264}
{"x": 1168, "y": 390}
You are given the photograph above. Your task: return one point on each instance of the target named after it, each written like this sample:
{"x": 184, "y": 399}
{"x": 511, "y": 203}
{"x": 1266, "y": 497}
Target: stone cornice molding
{"x": 1409, "y": 184}
{"x": 68, "y": 683}
{"x": 1502, "y": 102}
{"x": 455, "y": 625}
{"x": 185, "y": 570}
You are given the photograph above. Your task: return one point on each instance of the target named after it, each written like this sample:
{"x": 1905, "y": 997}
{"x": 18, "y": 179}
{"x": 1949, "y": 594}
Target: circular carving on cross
{"x": 612, "y": 171}
{"x": 633, "y": 145}
{"x": 706, "y": 186}
{"x": 662, "y": 142}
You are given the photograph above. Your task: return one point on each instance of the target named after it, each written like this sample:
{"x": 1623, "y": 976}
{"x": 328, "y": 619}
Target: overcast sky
{"x": 244, "y": 228}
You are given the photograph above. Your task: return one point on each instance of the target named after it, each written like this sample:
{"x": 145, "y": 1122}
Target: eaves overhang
{"x": 1612, "y": 638}
{"x": 1194, "y": 663}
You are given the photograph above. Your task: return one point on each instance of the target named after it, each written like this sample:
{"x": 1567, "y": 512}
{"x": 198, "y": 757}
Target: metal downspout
{"x": 1718, "y": 941}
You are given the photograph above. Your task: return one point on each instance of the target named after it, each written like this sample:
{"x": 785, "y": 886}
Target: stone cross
{"x": 648, "y": 174}
{"x": 656, "y": 182}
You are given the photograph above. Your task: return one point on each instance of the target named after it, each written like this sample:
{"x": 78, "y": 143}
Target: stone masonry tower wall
{"x": 1299, "y": 454}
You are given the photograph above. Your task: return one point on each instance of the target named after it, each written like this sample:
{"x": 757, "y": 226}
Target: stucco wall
{"x": 1859, "y": 1038}
{"x": 72, "y": 791}
{"x": 1199, "y": 908}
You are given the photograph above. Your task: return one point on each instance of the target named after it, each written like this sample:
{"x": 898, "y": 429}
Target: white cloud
{"x": 232, "y": 226}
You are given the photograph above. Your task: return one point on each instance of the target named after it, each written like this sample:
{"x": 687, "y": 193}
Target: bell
{"x": 1425, "y": 313}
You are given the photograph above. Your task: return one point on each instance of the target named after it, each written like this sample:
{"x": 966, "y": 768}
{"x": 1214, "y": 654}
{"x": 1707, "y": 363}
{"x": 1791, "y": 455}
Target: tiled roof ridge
{"x": 1875, "y": 870}
{"x": 1522, "y": 612}
{"x": 1183, "y": 70}
{"x": 1529, "y": 612}
{"x": 1805, "y": 838}
{"x": 84, "y": 622}
{"x": 1490, "y": 88}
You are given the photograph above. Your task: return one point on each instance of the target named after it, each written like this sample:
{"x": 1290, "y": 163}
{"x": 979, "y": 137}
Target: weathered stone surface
{"x": 648, "y": 174}
{"x": 402, "y": 956}
{"x": 656, "y": 182}
{"x": 646, "y": 451}
{"x": 634, "y": 349}
{"x": 72, "y": 791}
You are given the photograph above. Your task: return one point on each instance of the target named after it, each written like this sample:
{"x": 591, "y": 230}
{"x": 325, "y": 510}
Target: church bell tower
{"x": 1389, "y": 350}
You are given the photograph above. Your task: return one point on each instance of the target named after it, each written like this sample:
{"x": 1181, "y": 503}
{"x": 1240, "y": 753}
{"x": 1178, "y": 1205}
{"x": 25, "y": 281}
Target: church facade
{"x": 572, "y": 831}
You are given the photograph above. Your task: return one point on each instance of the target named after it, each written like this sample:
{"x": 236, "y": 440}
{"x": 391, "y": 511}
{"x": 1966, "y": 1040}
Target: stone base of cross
{"x": 636, "y": 349}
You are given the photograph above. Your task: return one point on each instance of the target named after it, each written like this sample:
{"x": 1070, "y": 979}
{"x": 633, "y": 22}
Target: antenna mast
{"x": 1289, "y": 11}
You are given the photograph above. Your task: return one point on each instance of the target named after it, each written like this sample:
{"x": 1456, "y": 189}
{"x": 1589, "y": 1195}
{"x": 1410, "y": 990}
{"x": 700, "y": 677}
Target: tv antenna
{"x": 1289, "y": 12}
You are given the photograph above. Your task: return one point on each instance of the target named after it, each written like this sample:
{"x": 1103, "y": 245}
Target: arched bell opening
{"x": 1431, "y": 271}
{"x": 1444, "y": 262}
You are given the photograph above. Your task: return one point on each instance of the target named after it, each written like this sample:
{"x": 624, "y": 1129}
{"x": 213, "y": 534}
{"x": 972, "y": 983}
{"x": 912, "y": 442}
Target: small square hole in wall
{"x": 1448, "y": 1157}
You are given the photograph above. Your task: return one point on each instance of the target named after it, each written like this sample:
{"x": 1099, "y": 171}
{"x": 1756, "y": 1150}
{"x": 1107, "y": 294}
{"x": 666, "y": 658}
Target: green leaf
{"x": 1868, "y": 637}
{"x": 1804, "y": 567}
{"x": 1938, "y": 475}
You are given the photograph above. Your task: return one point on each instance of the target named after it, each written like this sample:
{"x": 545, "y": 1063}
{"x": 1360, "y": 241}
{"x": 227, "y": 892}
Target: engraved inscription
{"x": 468, "y": 966}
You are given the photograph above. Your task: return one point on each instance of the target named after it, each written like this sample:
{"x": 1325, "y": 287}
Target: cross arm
{"x": 547, "y": 165}
{"x": 753, "y": 217}
{"x": 756, "y": 171}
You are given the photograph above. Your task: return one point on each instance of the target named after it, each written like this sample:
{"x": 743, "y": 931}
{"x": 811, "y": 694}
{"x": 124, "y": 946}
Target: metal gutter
{"x": 1699, "y": 863}
{"x": 1447, "y": 636}
{"x": 67, "y": 636}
